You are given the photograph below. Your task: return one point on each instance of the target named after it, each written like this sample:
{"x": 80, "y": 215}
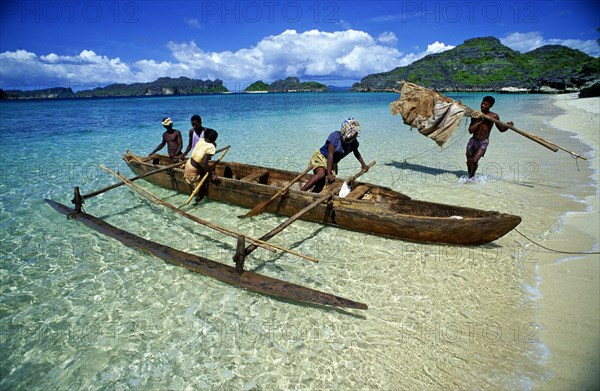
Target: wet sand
{"x": 569, "y": 304}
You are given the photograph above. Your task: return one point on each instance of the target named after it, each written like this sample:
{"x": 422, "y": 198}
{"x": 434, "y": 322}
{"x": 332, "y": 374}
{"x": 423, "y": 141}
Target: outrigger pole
{"x": 248, "y": 280}
{"x": 78, "y": 199}
{"x": 151, "y": 197}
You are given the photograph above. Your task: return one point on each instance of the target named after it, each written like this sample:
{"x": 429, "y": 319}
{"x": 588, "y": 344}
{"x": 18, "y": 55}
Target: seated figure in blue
{"x": 338, "y": 145}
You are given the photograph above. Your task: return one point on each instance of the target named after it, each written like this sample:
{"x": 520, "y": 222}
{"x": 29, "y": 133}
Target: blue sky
{"x": 84, "y": 44}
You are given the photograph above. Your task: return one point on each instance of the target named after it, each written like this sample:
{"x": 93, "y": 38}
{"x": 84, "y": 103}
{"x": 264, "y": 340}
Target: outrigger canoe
{"x": 251, "y": 281}
{"x": 367, "y": 208}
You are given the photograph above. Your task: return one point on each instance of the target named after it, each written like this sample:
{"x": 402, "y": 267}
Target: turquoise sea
{"x": 79, "y": 310}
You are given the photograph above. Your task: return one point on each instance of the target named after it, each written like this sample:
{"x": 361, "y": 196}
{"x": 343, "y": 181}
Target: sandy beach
{"x": 569, "y": 304}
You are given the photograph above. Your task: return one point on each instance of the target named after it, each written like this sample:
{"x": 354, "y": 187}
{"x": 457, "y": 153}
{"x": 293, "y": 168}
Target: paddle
{"x": 199, "y": 185}
{"x": 259, "y": 208}
{"x": 349, "y": 181}
{"x": 330, "y": 193}
{"x": 135, "y": 178}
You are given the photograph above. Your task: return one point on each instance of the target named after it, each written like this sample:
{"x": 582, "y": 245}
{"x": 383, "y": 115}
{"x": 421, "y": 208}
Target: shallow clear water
{"x": 79, "y": 310}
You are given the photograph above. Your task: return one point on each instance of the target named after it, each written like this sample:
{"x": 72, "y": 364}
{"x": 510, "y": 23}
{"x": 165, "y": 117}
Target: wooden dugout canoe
{"x": 248, "y": 280}
{"x": 368, "y": 208}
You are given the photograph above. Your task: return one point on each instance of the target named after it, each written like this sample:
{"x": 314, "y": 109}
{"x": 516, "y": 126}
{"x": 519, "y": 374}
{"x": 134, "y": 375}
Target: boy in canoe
{"x": 480, "y": 128}
{"x": 337, "y": 146}
{"x": 197, "y": 165}
{"x": 172, "y": 138}
{"x": 195, "y": 133}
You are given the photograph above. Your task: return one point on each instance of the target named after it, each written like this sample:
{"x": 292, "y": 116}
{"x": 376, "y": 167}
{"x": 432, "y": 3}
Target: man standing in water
{"x": 480, "y": 128}
{"x": 172, "y": 138}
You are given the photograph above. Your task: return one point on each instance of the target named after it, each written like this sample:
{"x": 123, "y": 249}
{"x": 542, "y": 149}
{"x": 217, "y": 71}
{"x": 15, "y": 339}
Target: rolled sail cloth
{"x": 434, "y": 115}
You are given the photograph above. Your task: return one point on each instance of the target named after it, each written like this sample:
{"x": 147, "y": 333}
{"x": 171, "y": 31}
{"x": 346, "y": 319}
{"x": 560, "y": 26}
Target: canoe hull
{"x": 380, "y": 211}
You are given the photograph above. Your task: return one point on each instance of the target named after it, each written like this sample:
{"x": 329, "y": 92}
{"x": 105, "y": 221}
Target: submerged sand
{"x": 569, "y": 310}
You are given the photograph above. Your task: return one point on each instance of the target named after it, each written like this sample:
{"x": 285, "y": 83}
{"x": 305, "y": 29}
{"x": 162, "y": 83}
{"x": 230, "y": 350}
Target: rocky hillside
{"x": 161, "y": 86}
{"x": 484, "y": 64}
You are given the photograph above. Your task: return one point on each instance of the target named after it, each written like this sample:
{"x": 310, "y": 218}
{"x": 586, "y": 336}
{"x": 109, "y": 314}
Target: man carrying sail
{"x": 480, "y": 128}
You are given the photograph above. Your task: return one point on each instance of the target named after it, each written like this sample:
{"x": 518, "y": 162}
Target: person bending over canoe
{"x": 480, "y": 128}
{"x": 197, "y": 165}
{"x": 172, "y": 138}
{"x": 338, "y": 145}
{"x": 195, "y": 134}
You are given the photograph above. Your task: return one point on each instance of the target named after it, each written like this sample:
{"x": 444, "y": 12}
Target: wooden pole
{"x": 551, "y": 146}
{"x": 105, "y": 189}
{"x": 354, "y": 177}
{"x": 330, "y": 193}
{"x": 199, "y": 185}
{"x": 240, "y": 254}
{"x": 259, "y": 208}
{"x": 139, "y": 158}
{"x": 149, "y": 196}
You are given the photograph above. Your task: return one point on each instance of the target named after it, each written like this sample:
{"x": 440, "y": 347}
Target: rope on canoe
{"x": 556, "y": 251}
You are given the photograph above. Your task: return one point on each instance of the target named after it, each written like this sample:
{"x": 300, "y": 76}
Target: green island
{"x": 290, "y": 84}
{"x": 484, "y": 64}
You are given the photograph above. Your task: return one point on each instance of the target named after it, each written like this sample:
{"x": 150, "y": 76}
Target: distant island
{"x": 484, "y": 64}
{"x": 290, "y": 84}
{"x": 162, "y": 87}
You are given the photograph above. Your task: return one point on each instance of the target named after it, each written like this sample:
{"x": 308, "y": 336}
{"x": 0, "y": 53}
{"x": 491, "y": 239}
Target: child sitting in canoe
{"x": 197, "y": 165}
{"x": 337, "y": 146}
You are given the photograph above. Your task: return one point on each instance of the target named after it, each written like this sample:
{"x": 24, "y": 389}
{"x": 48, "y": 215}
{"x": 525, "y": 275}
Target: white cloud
{"x": 387, "y": 38}
{"x": 343, "y": 54}
{"x": 22, "y": 68}
{"x": 347, "y": 54}
{"x": 436, "y": 47}
{"x": 193, "y": 23}
{"x": 525, "y": 42}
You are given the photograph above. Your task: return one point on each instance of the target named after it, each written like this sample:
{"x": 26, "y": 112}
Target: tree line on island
{"x": 479, "y": 64}
{"x": 164, "y": 86}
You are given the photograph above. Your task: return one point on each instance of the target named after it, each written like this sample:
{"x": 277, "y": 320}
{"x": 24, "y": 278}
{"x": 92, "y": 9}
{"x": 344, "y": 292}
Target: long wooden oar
{"x": 135, "y": 178}
{"x": 545, "y": 143}
{"x": 157, "y": 200}
{"x": 530, "y": 136}
{"x": 140, "y": 159}
{"x": 259, "y": 208}
{"x": 154, "y": 156}
{"x": 199, "y": 185}
{"x": 330, "y": 193}
{"x": 551, "y": 146}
